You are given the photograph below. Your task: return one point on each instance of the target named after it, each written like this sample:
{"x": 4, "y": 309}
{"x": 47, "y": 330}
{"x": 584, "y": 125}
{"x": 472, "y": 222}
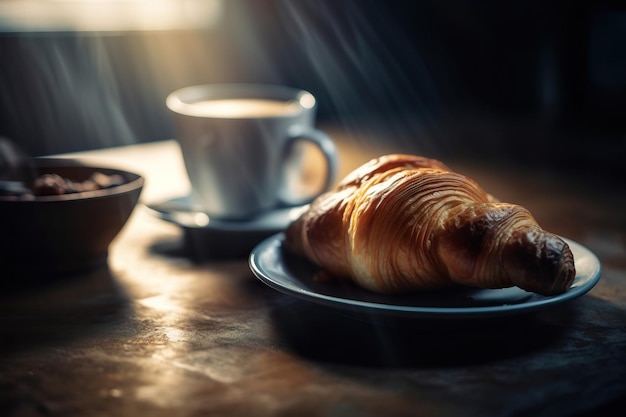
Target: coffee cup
{"x": 241, "y": 142}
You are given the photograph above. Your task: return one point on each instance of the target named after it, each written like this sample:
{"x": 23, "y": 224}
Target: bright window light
{"x": 107, "y": 15}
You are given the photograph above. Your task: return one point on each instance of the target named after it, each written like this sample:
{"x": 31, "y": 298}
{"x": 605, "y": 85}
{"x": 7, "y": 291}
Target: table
{"x": 157, "y": 333}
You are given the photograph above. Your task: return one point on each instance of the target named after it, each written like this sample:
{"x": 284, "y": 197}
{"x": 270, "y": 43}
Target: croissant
{"x": 402, "y": 223}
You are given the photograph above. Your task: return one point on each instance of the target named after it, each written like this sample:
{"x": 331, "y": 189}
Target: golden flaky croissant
{"x": 402, "y": 223}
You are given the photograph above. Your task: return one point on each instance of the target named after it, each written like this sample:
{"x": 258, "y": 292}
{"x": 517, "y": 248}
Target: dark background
{"x": 537, "y": 83}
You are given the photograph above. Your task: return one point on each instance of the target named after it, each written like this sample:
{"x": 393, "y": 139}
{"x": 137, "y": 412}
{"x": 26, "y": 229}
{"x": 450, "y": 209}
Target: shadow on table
{"x": 322, "y": 334}
{"x": 49, "y": 310}
{"x": 199, "y": 245}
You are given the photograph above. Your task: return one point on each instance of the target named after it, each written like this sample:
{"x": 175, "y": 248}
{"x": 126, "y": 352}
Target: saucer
{"x": 182, "y": 211}
{"x": 209, "y": 237}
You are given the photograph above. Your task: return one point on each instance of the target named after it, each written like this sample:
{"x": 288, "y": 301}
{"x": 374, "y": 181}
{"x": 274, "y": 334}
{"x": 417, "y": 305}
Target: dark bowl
{"x": 52, "y": 235}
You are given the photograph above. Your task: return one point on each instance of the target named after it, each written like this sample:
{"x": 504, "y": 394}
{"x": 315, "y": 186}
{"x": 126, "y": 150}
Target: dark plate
{"x": 291, "y": 275}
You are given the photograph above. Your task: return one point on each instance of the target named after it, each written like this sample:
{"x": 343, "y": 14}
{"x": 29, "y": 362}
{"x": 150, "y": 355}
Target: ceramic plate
{"x": 291, "y": 275}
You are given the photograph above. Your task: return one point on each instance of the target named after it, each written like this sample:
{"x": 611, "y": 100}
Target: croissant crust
{"x": 403, "y": 223}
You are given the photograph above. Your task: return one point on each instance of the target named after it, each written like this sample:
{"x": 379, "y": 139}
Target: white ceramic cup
{"x": 238, "y": 143}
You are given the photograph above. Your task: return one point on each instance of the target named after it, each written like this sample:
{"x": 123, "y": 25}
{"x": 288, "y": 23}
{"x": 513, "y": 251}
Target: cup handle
{"x": 325, "y": 144}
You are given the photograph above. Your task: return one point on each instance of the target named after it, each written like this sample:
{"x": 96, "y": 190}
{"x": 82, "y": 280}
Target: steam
{"x": 349, "y": 52}
{"x": 370, "y": 73}
{"x": 67, "y": 89}
{"x": 79, "y": 75}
